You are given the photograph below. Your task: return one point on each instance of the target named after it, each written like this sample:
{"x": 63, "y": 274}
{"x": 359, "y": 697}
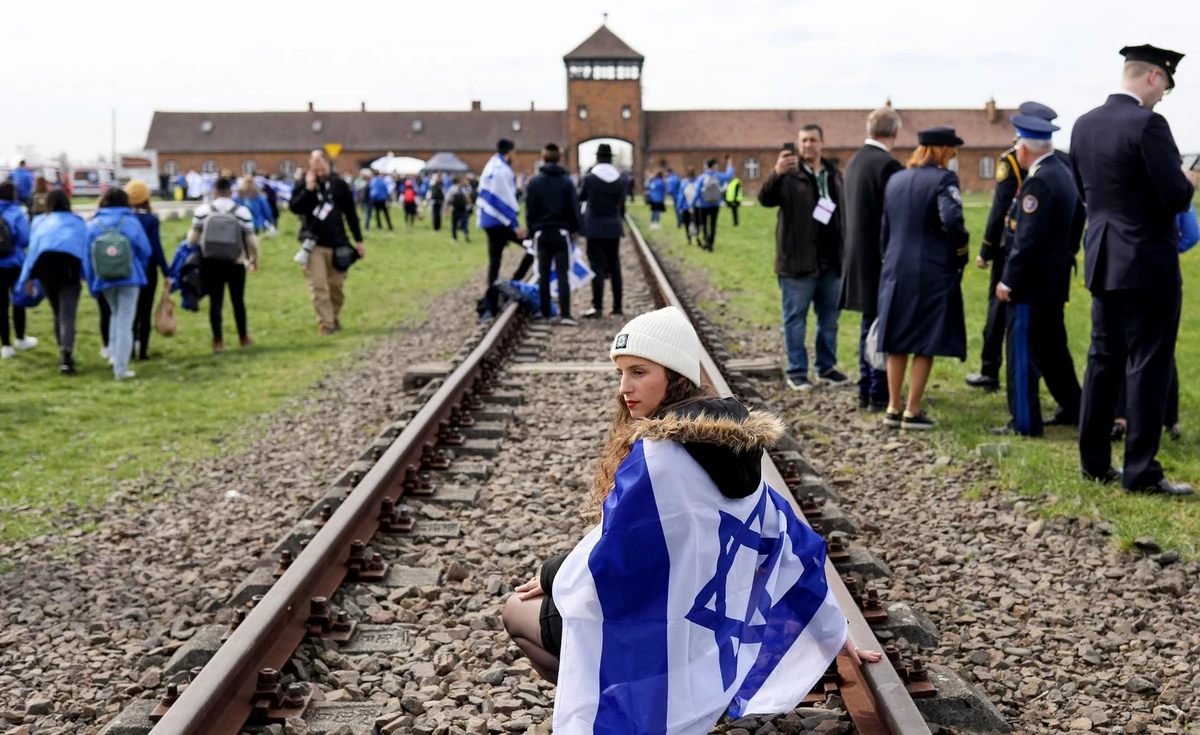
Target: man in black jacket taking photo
{"x": 325, "y": 205}
{"x": 552, "y": 216}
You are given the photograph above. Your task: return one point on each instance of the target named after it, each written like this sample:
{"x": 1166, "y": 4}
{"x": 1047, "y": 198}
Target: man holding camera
{"x": 325, "y": 205}
{"x": 808, "y": 252}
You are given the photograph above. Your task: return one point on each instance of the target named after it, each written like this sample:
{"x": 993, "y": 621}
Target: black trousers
{"x": 143, "y": 321}
{"x": 1172, "y": 416}
{"x": 993, "y": 329}
{"x": 1133, "y": 342}
{"x": 497, "y": 238}
{"x": 733, "y": 209}
{"x": 435, "y": 209}
{"x": 8, "y": 279}
{"x": 708, "y": 225}
{"x": 382, "y": 209}
{"x": 215, "y": 275}
{"x": 553, "y": 247}
{"x": 64, "y": 302}
{"x": 105, "y": 318}
{"x": 604, "y": 256}
{"x": 460, "y": 220}
{"x": 872, "y": 383}
{"x": 1036, "y": 347}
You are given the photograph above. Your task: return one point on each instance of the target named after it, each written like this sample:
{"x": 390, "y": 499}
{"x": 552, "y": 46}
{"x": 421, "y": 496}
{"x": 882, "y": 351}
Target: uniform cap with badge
{"x": 1033, "y": 127}
{"x": 1166, "y": 60}
{"x": 1037, "y": 109}
{"x": 940, "y": 135}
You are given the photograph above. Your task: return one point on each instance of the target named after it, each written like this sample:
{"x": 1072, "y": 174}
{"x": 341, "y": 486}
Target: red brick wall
{"x": 269, "y": 163}
{"x": 604, "y": 100}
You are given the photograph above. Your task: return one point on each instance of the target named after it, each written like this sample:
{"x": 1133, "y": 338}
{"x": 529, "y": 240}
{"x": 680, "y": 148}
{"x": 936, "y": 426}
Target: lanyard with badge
{"x": 823, "y": 212}
{"x": 325, "y": 206}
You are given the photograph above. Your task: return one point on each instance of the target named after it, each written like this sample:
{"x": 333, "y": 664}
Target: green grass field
{"x": 68, "y": 439}
{"x": 742, "y": 269}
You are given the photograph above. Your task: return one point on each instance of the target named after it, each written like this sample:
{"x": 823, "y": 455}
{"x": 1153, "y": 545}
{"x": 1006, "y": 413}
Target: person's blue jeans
{"x": 655, "y": 216}
{"x": 122, "y": 301}
{"x": 367, "y": 214}
{"x": 679, "y": 218}
{"x": 821, "y": 290}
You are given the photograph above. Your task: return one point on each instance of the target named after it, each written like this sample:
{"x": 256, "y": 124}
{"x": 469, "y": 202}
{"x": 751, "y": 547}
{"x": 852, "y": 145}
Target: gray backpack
{"x": 710, "y": 193}
{"x": 222, "y": 238}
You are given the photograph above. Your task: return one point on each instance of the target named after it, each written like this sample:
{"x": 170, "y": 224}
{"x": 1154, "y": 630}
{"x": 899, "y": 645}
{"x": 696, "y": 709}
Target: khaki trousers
{"x": 326, "y": 286}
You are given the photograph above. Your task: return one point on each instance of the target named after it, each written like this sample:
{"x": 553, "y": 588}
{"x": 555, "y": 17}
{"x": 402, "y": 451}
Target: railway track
{"x": 359, "y": 577}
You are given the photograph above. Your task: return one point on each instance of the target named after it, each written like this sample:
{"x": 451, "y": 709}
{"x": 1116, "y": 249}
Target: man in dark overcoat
{"x": 866, "y": 178}
{"x": 1127, "y": 167}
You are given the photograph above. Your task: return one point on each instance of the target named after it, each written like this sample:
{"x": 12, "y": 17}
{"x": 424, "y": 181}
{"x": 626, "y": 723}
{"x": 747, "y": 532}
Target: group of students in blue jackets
{"x": 697, "y": 200}
{"x": 115, "y": 254}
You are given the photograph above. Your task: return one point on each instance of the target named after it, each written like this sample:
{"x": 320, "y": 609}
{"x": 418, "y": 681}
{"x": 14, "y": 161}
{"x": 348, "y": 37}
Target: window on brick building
{"x": 752, "y": 170}
{"x": 516, "y": 126}
{"x": 209, "y": 167}
{"x": 287, "y": 167}
{"x": 171, "y": 168}
{"x": 417, "y": 126}
{"x": 987, "y": 167}
{"x": 249, "y": 167}
{"x": 626, "y": 112}
{"x": 582, "y": 112}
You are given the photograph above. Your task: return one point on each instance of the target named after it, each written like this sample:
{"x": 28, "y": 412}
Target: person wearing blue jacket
{"x": 656, "y": 195}
{"x": 143, "y": 322}
{"x": 11, "y": 260}
{"x": 378, "y": 197}
{"x": 121, "y": 295}
{"x": 683, "y": 210}
{"x": 256, "y": 202}
{"x": 23, "y": 178}
{"x": 673, "y": 188}
{"x": 57, "y": 249}
{"x": 708, "y": 197}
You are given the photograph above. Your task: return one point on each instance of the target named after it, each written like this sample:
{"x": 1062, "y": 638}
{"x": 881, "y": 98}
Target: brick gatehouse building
{"x": 604, "y": 101}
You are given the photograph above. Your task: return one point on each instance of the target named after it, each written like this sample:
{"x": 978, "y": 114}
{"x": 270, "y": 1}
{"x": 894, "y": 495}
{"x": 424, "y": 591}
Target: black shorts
{"x": 658, "y": 206}
{"x": 410, "y": 207}
{"x": 551, "y": 621}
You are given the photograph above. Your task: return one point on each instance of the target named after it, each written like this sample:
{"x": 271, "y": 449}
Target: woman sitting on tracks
{"x": 700, "y": 592}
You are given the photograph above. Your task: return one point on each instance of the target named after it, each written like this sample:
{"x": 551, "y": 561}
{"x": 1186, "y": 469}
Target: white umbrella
{"x": 399, "y": 165}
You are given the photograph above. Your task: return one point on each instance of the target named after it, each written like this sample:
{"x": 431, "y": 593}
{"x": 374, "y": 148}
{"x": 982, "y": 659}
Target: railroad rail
{"x": 240, "y": 685}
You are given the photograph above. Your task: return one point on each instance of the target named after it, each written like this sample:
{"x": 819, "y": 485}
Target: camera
{"x": 308, "y": 241}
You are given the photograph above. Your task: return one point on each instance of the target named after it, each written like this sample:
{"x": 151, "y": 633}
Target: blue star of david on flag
{"x": 750, "y": 626}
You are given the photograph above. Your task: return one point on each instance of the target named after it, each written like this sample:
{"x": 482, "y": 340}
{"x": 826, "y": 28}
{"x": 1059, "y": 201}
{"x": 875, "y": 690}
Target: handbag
{"x": 344, "y": 256}
{"x": 165, "y": 322}
{"x": 876, "y": 357}
{"x": 27, "y": 299}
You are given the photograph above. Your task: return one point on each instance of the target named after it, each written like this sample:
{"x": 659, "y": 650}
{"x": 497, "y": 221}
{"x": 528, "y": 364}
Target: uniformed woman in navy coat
{"x": 924, "y": 243}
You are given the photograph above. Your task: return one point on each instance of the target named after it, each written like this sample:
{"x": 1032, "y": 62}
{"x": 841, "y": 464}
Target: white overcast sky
{"x": 71, "y": 63}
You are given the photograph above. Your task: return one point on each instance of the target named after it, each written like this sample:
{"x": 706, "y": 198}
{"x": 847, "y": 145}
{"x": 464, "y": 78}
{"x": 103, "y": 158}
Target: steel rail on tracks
{"x": 892, "y": 702}
{"x": 220, "y": 700}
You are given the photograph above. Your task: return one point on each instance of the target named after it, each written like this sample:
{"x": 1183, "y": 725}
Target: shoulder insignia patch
{"x": 954, "y": 193}
{"x": 1029, "y": 204}
{"x": 1002, "y": 170}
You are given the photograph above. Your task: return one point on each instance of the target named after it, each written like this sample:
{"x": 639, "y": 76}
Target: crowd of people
{"x": 889, "y": 241}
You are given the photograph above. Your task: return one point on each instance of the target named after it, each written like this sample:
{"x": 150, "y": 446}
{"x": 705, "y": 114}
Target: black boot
{"x": 68, "y": 363}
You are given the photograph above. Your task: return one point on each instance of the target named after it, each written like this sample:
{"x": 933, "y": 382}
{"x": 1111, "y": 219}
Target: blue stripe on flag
{"x": 633, "y": 659}
{"x": 790, "y": 615}
{"x": 502, "y": 209}
{"x": 1021, "y": 420}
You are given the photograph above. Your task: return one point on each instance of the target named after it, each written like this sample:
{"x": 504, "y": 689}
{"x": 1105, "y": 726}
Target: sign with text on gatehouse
{"x": 333, "y": 149}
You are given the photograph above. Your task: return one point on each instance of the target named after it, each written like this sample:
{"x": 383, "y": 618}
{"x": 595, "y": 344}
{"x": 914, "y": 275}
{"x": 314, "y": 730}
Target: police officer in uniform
{"x": 1036, "y": 281}
{"x": 1128, "y": 169}
{"x": 1009, "y": 175}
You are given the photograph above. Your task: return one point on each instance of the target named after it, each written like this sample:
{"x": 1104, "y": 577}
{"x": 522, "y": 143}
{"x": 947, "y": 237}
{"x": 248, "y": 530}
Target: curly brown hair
{"x": 680, "y": 392}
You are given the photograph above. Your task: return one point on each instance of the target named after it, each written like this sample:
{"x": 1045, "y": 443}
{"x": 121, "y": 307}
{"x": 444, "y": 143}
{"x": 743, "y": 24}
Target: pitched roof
{"x": 718, "y": 129}
{"x": 603, "y": 45}
{"x": 182, "y": 132}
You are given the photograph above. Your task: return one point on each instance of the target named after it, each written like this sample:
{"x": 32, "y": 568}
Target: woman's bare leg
{"x": 922, "y": 366}
{"x": 896, "y": 366}
{"x": 523, "y": 621}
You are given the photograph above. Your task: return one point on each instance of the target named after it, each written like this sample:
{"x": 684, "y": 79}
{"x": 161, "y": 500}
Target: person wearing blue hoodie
{"x": 683, "y": 210}
{"x": 707, "y": 199}
{"x": 14, "y": 239}
{"x": 256, "y": 202}
{"x": 673, "y": 187}
{"x": 23, "y": 178}
{"x": 57, "y": 249}
{"x": 656, "y": 196}
{"x": 115, "y": 216}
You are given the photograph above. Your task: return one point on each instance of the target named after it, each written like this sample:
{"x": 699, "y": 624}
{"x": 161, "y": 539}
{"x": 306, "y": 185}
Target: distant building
{"x": 604, "y": 101}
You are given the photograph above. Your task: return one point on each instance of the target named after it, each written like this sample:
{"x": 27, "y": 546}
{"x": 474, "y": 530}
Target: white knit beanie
{"x": 665, "y": 337}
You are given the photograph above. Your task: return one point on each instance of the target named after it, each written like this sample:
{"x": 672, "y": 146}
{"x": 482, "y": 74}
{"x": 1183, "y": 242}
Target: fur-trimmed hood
{"x": 724, "y": 438}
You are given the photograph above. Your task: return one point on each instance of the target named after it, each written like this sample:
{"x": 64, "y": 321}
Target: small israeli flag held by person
{"x": 581, "y": 274}
{"x": 683, "y": 604}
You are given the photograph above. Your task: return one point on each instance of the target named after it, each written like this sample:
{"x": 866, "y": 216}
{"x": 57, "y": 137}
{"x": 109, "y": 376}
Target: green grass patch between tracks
{"x": 742, "y": 270}
{"x": 68, "y": 439}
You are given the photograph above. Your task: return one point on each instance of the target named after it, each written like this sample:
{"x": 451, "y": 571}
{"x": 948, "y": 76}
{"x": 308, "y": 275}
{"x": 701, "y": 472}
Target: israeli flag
{"x": 685, "y": 603}
{"x": 580, "y": 276}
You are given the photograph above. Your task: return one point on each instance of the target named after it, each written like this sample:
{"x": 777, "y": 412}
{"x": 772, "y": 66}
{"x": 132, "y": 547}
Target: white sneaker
{"x": 126, "y": 375}
{"x": 104, "y": 354}
{"x": 7, "y": 352}
{"x": 26, "y": 344}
